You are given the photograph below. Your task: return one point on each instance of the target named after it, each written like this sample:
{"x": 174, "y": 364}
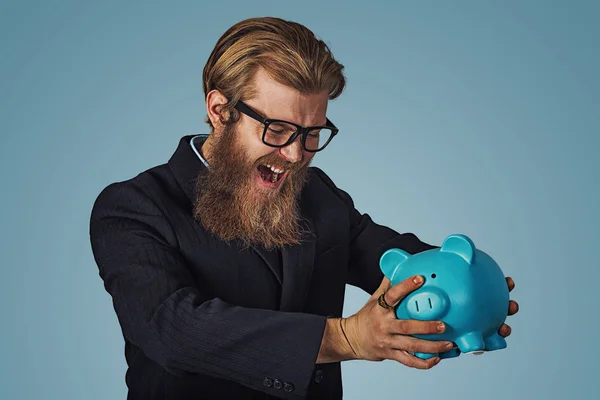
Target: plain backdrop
{"x": 472, "y": 117}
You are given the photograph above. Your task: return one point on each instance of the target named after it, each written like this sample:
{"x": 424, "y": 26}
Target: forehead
{"x": 277, "y": 101}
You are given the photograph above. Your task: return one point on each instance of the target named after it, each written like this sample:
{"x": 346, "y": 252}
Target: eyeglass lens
{"x": 278, "y": 133}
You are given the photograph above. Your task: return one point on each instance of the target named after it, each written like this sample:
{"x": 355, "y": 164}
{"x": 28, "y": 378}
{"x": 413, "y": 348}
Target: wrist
{"x": 335, "y": 346}
{"x": 348, "y": 332}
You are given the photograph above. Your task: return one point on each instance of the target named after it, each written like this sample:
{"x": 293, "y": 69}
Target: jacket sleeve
{"x": 368, "y": 242}
{"x": 162, "y": 312}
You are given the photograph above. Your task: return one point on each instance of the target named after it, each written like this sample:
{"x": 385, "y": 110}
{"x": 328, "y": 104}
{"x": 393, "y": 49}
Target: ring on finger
{"x": 383, "y": 303}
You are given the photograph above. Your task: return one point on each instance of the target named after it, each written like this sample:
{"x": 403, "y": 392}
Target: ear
{"x": 461, "y": 245}
{"x": 215, "y": 100}
{"x": 390, "y": 260}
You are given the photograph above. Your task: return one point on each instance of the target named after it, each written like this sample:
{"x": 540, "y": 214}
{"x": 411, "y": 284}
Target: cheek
{"x": 256, "y": 150}
{"x": 250, "y": 139}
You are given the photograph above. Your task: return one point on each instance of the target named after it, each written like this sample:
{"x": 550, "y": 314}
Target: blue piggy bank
{"x": 464, "y": 287}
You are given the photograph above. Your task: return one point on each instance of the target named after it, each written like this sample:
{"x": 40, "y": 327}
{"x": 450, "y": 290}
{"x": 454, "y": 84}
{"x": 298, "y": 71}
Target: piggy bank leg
{"x": 494, "y": 342}
{"x": 425, "y": 356}
{"x": 471, "y": 343}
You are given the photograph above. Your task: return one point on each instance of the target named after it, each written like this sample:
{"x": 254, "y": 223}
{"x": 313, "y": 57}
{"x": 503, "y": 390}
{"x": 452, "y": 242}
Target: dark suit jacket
{"x": 203, "y": 319}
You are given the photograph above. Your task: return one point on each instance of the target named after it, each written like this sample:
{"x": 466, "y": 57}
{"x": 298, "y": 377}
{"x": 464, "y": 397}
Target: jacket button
{"x": 268, "y": 382}
{"x": 288, "y": 387}
{"x": 277, "y": 384}
{"x": 319, "y": 376}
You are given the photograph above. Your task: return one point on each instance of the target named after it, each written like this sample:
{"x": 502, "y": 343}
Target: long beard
{"x": 230, "y": 205}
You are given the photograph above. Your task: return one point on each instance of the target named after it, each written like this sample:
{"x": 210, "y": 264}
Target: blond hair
{"x": 288, "y": 51}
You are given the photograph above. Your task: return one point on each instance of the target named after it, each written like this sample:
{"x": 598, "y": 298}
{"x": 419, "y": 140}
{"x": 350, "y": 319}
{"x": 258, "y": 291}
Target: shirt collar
{"x": 196, "y": 142}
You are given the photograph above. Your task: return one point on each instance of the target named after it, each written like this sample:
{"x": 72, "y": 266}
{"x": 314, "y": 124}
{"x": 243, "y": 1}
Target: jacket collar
{"x": 186, "y": 167}
{"x": 297, "y": 260}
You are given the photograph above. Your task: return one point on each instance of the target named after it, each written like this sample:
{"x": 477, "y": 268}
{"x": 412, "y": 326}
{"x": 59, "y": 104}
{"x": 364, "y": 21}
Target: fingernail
{"x": 449, "y": 345}
{"x": 437, "y": 360}
{"x": 441, "y": 327}
{"x": 417, "y": 279}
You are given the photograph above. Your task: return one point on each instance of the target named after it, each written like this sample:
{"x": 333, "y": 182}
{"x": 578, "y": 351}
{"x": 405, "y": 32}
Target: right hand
{"x": 375, "y": 334}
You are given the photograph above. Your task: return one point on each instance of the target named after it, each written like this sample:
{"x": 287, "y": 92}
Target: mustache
{"x": 273, "y": 159}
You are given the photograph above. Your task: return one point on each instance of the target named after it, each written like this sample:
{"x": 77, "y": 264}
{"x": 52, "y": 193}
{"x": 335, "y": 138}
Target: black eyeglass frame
{"x": 300, "y": 130}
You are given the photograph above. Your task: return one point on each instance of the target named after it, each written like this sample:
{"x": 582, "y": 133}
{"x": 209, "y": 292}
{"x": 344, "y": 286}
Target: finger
{"x": 505, "y": 330}
{"x": 415, "y": 345}
{"x": 415, "y": 327}
{"x": 513, "y": 307}
{"x": 402, "y": 356}
{"x": 383, "y": 286}
{"x": 510, "y": 283}
{"x": 397, "y": 292}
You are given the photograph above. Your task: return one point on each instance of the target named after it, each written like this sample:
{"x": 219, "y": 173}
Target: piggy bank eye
{"x": 433, "y": 275}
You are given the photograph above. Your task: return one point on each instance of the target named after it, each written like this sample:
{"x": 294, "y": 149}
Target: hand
{"x": 513, "y": 308}
{"x": 374, "y": 333}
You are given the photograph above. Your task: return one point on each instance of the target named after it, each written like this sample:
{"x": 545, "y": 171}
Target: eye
{"x": 433, "y": 275}
{"x": 275, "y": 131}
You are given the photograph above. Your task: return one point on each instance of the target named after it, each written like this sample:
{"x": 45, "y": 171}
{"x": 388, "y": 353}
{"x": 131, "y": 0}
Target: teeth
{"x": 276, "y": 170}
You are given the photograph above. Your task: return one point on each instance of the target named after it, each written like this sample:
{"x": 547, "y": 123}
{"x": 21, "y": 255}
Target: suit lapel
{"x": 297, "y": 268}
{"x": 264, "y": 254}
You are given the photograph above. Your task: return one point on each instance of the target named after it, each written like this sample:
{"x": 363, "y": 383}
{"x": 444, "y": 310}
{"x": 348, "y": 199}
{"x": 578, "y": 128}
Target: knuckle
{"x": 402, "y": 288}
{"x": 380, "y": 342}
{"x": 412, "y": 346}
{"x": 408, "y": 285}
{"x": 403, "y": 326}
{"x": 379, "y": 328}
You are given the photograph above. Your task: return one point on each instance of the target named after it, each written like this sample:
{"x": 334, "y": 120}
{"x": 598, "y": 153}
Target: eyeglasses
{"x": 279, "y": 133}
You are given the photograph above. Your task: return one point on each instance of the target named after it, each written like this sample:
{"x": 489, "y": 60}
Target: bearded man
{"x": 227, "y": 265}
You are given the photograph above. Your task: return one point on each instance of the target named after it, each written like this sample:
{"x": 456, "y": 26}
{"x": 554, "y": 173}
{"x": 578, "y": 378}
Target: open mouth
{"x": 270, "y": 173}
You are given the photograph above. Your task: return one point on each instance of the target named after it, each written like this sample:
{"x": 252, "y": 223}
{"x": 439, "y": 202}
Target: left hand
{"x": 513, "y": 308}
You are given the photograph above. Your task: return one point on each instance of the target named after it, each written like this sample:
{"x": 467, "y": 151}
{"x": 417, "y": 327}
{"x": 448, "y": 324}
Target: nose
{"x": 428, "y": 304}
{"x": 293, "y": 151}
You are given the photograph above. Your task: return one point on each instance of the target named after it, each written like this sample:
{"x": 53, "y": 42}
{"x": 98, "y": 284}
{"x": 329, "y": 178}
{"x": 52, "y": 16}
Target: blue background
{"x": 472, "y": 117}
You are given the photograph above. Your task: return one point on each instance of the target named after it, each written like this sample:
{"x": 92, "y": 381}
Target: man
{"x": 227, "y": 265}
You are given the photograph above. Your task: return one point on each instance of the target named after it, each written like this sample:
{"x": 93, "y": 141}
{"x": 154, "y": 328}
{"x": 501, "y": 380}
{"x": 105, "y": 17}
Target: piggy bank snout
{"x": 428, "y": 304}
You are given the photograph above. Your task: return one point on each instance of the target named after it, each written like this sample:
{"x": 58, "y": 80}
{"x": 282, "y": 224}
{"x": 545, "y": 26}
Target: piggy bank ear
{"x": 461, "y": 245}
{"x": 390, "y": 260}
